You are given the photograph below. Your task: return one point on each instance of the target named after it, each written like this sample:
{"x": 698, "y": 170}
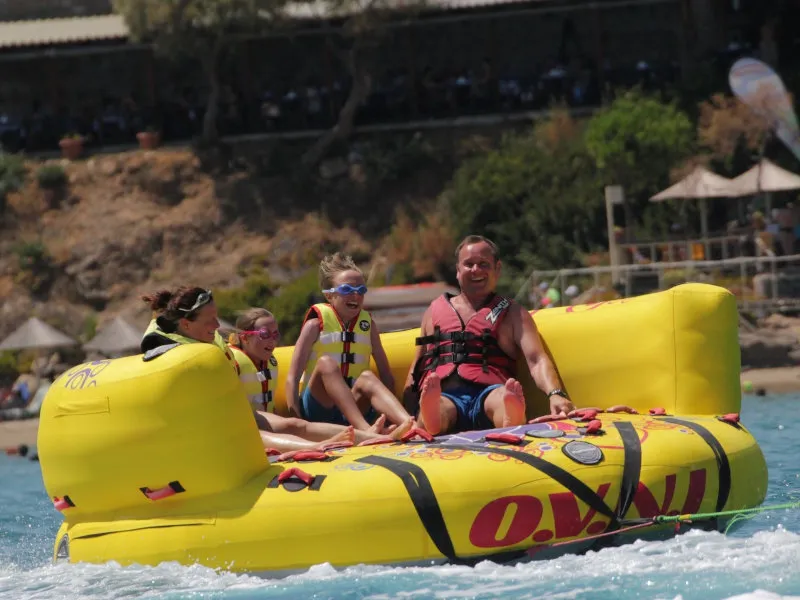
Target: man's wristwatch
{"x": 557, "y": 392}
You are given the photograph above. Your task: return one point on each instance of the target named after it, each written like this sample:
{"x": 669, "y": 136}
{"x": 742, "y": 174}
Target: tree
{"x": 355, "y": 43}
{"x": 728, "y": 127}
{"x": 635, "y": 142}
{"x": 201, "y": 29}
{"x": 537, "y": 196}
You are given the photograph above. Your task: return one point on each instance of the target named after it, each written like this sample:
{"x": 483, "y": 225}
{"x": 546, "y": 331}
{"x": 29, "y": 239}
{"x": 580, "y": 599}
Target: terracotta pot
{"x": 148, "y": 140}
{"x": 71, "y": 148}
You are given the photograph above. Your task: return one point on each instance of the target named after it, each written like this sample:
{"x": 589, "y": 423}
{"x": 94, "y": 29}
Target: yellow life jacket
{"x": 154, "y": 336}
{"x": 351, "y": 346}
{"x": 258, "y": 382}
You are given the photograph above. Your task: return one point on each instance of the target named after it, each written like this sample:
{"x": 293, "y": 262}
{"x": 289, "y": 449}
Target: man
{"x": 466, "y": 356}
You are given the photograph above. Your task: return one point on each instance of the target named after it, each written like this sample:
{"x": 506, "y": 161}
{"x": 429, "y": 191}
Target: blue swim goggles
{"x": 345, "y": 289}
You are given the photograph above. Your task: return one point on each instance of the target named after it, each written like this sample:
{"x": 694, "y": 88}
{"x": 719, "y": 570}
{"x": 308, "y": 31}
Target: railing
{"x": 684, "y": 250}
{"x": 734, "y": 272}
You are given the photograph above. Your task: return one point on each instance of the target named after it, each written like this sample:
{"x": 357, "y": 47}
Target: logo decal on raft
{"x": 83, "y": 376}
{"x": 497, "y": 527}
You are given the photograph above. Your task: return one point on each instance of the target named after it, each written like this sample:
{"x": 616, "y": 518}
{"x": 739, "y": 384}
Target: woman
{"x": 188, "y": 315}
{"x": 252, "y": 348}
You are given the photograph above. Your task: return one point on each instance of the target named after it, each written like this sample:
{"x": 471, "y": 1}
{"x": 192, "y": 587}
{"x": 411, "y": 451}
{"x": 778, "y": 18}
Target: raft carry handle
{"x": 171, "y": 489}
{"x": 61, "y": 504}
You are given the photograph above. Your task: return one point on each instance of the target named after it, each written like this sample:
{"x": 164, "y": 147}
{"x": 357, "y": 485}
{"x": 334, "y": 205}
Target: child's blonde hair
{"x": 333, "y": 264}
{"x": 247, "y": 321}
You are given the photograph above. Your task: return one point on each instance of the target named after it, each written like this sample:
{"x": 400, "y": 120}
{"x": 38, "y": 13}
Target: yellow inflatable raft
{"x": 161, "y": 460}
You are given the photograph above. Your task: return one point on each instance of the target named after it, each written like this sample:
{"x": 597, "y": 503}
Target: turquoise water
{"x": 759, "y": 561}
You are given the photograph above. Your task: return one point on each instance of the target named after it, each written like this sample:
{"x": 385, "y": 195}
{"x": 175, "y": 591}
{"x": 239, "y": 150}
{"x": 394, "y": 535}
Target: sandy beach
{"x": 783, "y": 380}
{"x": 14, "y": 433}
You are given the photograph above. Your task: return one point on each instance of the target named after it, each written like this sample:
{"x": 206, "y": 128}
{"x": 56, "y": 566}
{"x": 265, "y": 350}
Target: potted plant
{"x": 149, "y": 139}
{"x": 51, "y": 179}
{"x": 71, "y": 146}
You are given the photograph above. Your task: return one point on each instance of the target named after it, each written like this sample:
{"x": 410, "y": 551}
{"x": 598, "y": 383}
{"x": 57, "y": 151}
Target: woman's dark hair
{"x": 178, "y": 304}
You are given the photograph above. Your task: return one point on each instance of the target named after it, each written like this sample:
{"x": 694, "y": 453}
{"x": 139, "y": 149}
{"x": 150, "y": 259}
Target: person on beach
{"x": 332, "y": 355}
{"x": 465, "y": 363}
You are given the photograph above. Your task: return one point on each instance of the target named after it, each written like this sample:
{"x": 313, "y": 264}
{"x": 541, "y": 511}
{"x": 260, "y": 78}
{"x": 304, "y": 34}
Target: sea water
{"x": 760, "y": 560}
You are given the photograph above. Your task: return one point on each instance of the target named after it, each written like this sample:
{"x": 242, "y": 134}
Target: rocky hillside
{"x": 772, "y": 342}
{"x": 131, "y": 223}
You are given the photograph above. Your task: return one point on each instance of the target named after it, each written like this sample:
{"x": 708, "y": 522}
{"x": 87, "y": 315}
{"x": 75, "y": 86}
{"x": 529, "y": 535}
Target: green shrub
{"x": 255, "y": 292}
{"x": 51, "y": 176}
{"x": 12, "y": 173}
{"x": 290, "y": 305}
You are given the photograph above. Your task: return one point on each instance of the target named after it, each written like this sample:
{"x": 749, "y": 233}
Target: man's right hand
{"x": 559, "y": 405}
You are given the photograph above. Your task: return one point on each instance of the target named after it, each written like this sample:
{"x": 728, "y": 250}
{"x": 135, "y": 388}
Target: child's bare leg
{"x": 308, "y": 430}
{"x": 329, "y": 389}
{"x": 286, "y": 442}
{"x": 369, "y": 386}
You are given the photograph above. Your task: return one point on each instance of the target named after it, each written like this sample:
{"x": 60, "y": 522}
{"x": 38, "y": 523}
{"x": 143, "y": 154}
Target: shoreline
{"x": 780, "y": 380}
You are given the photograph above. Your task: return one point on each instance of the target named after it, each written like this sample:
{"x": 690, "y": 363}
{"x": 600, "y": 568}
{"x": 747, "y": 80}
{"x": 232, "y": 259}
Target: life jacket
{"x": 155, "y": 336}
{"x": 470, "y": 348}
{"x": 351, "y": 346}
{"x": 258, "y": 381}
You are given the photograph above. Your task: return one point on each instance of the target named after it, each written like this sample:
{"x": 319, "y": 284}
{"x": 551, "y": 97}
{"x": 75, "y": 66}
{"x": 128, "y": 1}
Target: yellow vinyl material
{"x": 112, "y": 430}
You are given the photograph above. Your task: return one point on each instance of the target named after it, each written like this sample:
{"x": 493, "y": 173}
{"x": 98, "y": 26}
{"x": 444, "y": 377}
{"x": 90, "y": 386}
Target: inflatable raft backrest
{"x": 111, "y": 427}
{"x": 677, "y": 350}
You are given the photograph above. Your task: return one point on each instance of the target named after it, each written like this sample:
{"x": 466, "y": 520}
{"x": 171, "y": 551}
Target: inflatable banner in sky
{"x": 758, "y": 86}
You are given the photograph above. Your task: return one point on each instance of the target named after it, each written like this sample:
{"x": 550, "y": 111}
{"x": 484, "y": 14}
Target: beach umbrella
{"x": 116, "y": 337}
{"x": 34, "y": 333}
{"x": 700, "y": 184}
{"x": 766, "y": 176}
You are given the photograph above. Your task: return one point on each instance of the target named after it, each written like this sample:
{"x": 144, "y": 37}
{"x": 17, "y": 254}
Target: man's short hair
{"x": 476, "y": 239}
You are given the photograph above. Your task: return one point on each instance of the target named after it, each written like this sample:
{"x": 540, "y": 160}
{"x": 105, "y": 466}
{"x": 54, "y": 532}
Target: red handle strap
{"x": 731, "y": 418}
{"x": 505, "y": 438}
{"x": 272, "y": 452}
{"x": 169, "y": 490}
{"x": 64, "y": 503}
{"x": 309, "y": 455}
{"x": 594, "y": 427}
{"x": 584, "y": 414}
{"x": 658, "y": 412}
{"x": 417, "y": 432}
{"x": 377, "y": 441}
{"x": 336, "y": 445}
{"x": 621, "y": 408}
{"x": 296, "y": 473}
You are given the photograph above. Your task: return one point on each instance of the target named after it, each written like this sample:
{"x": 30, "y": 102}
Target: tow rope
{"x": 739, "y": 515}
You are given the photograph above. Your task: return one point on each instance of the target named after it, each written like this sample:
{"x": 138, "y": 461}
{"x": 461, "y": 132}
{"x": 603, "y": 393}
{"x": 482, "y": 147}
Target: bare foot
{"x": 345, "y": 437}
{"x": 514, "y": 403}
{"x": 401, "y": 429}
{"x": 378, "y": 425}
{"x": 430, "y": 404}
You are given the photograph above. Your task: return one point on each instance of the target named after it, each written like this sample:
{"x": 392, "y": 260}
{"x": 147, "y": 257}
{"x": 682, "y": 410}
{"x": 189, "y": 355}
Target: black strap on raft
{"x": 422, "y": 497}
{"x": 421, "y": 493}
{"x": 631, "y": 468}
{"x": 723, "y": 465}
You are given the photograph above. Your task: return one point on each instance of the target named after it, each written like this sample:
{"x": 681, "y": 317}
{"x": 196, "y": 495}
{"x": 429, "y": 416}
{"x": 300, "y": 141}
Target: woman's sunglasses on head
{"x": 202, "y": 299}
{"x": 346, "y": 289}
